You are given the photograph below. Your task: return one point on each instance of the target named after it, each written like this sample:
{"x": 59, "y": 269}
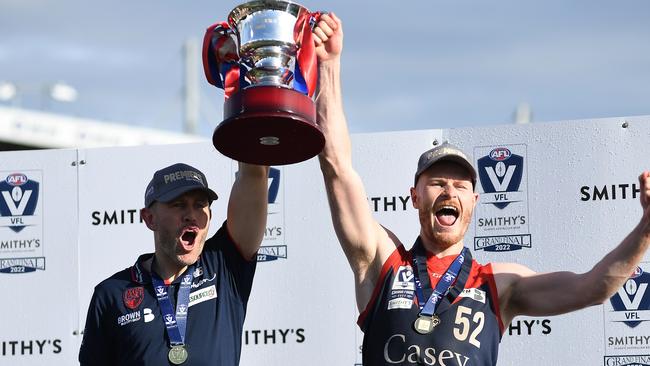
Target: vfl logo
{"x": 187, "y": 280}
{"x": 631, "y": 299}
{"x": 405, "y": 275}
{"x": 169, "y": 320}
{"x": 182, "y": 309}
{"x": 500, "y": 172}
{"x": 19, "y": 199}
{"x": 161, "y": 291}
{"x": 402, "y": 290}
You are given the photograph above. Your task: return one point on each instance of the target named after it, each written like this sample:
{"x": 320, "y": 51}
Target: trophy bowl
{"x": 268, "y": 120}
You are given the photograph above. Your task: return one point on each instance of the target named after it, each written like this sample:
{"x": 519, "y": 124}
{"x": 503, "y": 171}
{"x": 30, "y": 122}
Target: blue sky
{"x": 406, "y": 65}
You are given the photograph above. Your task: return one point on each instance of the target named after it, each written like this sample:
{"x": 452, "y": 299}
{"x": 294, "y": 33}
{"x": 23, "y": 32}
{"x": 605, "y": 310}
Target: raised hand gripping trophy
{"x": 264, "y": 59}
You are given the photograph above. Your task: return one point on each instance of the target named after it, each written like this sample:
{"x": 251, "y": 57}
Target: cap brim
{"x": 171, "y": 195}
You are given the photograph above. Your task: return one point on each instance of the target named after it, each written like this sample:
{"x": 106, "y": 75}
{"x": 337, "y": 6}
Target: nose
{"x": 450, "y": 190}
{"x": 190, "y": 215}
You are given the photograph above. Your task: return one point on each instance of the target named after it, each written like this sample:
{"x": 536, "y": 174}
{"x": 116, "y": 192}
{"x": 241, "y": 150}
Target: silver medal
{"x": 177, "y": 355}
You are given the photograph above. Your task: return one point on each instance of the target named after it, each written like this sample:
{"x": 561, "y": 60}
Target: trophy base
{"x": 269, "y": 125}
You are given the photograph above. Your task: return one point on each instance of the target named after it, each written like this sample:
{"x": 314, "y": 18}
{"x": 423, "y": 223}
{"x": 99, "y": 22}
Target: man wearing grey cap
{"x": 186, "y": 302}
{"x": 434, "y": 304}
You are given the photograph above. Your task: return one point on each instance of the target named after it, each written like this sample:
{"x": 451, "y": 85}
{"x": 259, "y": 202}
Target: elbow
{"x": 605, "y": 289}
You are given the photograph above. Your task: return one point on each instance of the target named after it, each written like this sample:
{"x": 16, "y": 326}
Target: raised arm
{"x": 523, "y": 292}
{"x": 365, "y": 243}
{"x": 247, "y": 208}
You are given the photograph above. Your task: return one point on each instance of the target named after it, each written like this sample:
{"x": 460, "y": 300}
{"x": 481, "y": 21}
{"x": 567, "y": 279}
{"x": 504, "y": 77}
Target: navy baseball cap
{"x": 174, "y": 180}
{"x": 444, "y": 152}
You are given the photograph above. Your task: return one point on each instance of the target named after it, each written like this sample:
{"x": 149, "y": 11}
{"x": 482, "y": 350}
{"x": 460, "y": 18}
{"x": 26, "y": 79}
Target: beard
{"x": 444, "y": 239}
{"x": 168, "y": 245}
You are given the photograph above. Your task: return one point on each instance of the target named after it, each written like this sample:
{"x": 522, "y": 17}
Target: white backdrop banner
{"x": 553, "y": 196}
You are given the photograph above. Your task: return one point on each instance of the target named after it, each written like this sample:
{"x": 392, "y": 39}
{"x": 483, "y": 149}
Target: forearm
{"x": 615, "y": 268}
{"x": 247, "y": 207}
{"x": 356, "y": 229}
{"x": 336, "y": 153}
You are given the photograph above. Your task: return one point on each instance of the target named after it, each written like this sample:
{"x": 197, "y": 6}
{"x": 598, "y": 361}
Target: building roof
{"x": 24, "y": 129}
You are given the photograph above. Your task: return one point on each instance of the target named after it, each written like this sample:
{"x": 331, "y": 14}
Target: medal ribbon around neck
{"x": 421, "y": 276}
{"x": 175, "y": 322}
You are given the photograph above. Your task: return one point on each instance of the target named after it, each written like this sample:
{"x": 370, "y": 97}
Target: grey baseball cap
{"x": 444, "y": 152}
{"x": 174, "y": 180}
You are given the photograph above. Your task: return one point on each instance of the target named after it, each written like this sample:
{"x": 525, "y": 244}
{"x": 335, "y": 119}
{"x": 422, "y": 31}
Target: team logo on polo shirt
{"x": 133, "y": 297}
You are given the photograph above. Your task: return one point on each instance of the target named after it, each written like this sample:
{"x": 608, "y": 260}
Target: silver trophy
{"x": 269, "y": 118}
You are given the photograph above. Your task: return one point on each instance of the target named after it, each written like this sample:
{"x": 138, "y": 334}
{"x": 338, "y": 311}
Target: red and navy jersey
{"x": 469, "y": 331}
{"x": 125, "y": 325}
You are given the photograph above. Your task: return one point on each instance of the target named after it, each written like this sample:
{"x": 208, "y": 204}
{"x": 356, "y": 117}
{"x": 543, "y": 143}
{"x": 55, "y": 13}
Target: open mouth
{"x": 188, "y": 238}
{"x": 447, "y": 215}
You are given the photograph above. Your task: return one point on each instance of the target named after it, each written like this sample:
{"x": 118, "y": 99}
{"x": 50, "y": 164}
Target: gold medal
{"x": 177, "y": 355}
{"x": 425, "y": 324}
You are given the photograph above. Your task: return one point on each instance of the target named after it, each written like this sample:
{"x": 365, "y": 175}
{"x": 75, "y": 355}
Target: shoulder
{"x": 506, "y": 275}
{"x": 511, "y": 269}
{"x": 116, "y": 282}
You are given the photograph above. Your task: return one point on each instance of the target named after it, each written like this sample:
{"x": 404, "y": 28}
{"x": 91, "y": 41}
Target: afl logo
{"x": 637, "y": 272}
{"x": 500, "y": 154}
{"x": 16, "y": 179}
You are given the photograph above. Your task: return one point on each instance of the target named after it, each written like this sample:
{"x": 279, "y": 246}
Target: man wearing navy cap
{"x": 185, "y": 303}
{"x": 433, "y": 304}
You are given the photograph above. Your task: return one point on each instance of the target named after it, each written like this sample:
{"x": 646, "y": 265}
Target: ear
{"x": 147, "y": 216}
{"x": 414, "y": 197}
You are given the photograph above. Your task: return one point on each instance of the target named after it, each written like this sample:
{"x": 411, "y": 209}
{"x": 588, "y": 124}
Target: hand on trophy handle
{"x": 328, "y": 37}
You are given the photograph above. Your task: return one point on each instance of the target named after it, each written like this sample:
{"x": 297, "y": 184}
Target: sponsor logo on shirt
{"x": 474, "y": 294}
{"x": 148, "y": 315}
{"x": 205, "y": 280}
{"x": 125, "y": 319}
{"x": 402, "y": 290}
{"x": 202, "y": 295}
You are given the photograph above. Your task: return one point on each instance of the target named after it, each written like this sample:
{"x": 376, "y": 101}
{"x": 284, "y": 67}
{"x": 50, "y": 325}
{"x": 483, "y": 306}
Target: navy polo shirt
{"x": 124, "y": 325}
